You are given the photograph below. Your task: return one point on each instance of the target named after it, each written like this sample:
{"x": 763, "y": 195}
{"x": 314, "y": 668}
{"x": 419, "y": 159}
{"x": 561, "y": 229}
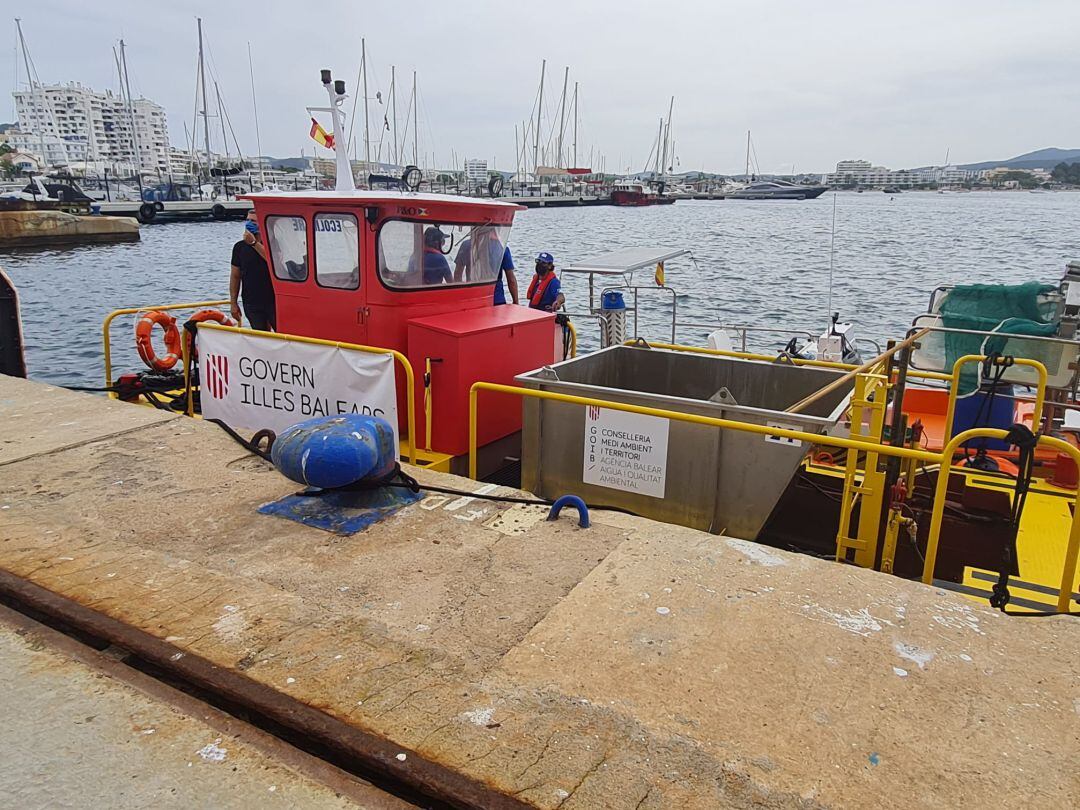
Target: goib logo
{"x": 216, "y": 367}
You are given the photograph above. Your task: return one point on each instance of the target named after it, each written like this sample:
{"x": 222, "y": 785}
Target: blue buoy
{"x": 336, "y": 451}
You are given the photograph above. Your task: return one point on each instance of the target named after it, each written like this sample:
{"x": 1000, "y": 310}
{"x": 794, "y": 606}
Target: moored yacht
{"x": 777, "y": 190}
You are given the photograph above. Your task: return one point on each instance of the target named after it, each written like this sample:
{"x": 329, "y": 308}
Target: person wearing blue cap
{"x": 435, "y": 268}
{"x": 249, "y": 280}
{"x": 544, "y": 288}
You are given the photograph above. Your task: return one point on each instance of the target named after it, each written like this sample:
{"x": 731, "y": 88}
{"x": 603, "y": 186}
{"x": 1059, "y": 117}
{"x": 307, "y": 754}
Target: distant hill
{"x": 1039, "y": 159}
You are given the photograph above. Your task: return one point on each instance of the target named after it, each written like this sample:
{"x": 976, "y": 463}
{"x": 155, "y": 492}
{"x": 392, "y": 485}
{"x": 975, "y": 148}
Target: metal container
{"x": 722, "y": 481}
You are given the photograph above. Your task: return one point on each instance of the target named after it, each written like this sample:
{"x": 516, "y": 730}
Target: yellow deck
{"x": 1040, "y": 547}
{"x": 1040, "y": 544}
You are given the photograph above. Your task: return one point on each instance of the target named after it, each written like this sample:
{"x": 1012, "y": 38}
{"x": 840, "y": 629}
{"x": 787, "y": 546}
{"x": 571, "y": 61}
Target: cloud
{"x": 816, "y": 82}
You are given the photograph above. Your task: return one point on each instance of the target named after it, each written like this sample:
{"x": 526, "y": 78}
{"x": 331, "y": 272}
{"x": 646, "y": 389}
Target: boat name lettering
{"x": 283, "y": 373}
{"x": 412, "y": 211}
{"x": 325, "y": 224}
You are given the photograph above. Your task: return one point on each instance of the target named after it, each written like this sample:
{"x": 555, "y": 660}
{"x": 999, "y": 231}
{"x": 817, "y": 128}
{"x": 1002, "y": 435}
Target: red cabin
{"x": 411, "y": 272}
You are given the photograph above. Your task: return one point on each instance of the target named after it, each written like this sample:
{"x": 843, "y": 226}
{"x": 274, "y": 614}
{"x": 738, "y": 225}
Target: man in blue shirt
{"x": 436, "y": 269}
{"x": 544, "y": 288}
{"x": 494, "y": 255}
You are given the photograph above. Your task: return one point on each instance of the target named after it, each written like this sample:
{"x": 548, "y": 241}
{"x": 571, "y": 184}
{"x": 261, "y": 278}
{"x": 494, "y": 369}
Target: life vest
{"x": 538, "y": 288}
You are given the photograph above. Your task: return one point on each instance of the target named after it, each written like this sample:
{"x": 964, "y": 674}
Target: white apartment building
{"x": 864, "y": 174}
{"x": 76, "y": 126}
{"x": 476, "y": 171}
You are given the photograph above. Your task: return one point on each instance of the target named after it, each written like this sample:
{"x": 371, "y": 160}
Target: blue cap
{"x": 546, "y": 258}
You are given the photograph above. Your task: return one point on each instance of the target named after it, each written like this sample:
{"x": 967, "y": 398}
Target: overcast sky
{"x": 817, "y": 81}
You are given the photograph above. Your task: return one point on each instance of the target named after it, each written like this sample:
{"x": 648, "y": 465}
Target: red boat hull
{"x": 637, "y": 198}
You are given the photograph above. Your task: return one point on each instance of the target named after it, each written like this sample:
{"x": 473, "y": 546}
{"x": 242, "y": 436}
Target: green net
{"x": 1018, "y": 309}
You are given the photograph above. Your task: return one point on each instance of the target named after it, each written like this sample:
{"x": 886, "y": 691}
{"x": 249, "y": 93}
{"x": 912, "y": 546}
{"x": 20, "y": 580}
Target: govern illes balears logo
{"x": 216, "y": 367}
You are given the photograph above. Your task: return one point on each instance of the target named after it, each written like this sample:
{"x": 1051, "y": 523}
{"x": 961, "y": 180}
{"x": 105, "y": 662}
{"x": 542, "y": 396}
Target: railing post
{"x": 473, "y": 391}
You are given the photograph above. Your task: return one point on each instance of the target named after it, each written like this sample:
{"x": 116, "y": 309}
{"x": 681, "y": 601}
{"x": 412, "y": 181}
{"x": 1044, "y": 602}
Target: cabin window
{"x": 337, "y": 251}
{"x": 424, "y": 255}
{"x": 288, "y": 247}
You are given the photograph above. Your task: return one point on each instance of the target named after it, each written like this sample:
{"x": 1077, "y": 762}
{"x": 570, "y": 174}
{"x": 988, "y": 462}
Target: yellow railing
{"x": 1072, "y": 550}
{"x": 107, "y": 342}
{"x": 798, "y": 361}
{"x": 410, "y": 379}
{"x": 573, "y": 338}
{"x": 954, "y": 385}
{"x": 944, "y": 459}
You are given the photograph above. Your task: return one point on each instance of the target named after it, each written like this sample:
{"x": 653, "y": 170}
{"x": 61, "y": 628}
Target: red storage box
{"x": 491, "y": 345}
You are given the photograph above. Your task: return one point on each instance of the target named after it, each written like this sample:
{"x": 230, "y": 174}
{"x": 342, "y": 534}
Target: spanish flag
{"x": 660, "y": 274}
{"x": 320, "y": 135}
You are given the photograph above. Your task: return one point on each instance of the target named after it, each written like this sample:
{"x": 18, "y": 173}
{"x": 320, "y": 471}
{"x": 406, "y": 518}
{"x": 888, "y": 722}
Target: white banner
{"x": 626, "y": 451}
{"x": 256, "y": 382}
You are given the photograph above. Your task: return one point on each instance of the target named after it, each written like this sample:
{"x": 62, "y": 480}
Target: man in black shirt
{"x": 250, "y": 280}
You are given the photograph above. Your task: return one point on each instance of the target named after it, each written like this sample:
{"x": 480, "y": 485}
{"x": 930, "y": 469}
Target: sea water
{"x": 762, "y": 263}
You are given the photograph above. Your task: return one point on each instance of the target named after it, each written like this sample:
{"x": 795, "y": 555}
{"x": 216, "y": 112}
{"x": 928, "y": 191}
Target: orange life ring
{"x": 144, "y": 328}
{"x": 215, "y": 315}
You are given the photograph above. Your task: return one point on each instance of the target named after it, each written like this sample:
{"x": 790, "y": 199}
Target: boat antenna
{"x": 255, "y": 109}
{"x": 832, "y": 256}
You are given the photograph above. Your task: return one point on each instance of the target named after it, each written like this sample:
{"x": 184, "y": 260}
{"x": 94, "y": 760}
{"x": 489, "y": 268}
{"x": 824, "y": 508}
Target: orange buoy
{"x": 144, "y": 329}
{"x": 215, "y": 315}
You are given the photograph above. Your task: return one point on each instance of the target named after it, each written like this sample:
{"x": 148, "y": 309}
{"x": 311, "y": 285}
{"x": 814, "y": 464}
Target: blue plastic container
{"x": 1000, "y": 416}
{"x": 612, "y": 300}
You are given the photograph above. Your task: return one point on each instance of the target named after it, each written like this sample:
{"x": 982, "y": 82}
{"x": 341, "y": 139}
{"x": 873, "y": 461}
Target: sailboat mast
{"x": 415, "y": 122}
{"x": 562, "y": 116}
{"x": 202, "y": 83}
{"x": 659, "y": 140}
{"x": 667, "y": 134}
{"x": 30, "y": 80}
{"x": 221, "y": 118}
{"x": 131, "y": 117}
{"x": 393, "y": 113}
{"x": 536, "y": 133}
{"x": 255, "y": 110}
{"x": 517, "y": 154}
{"x": 575, "y": 124}
{"x": 367, "y": 125}
{"x": 746, "y": 175}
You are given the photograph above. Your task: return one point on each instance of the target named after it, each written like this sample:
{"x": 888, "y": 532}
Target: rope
{"x": 253, "y": 445}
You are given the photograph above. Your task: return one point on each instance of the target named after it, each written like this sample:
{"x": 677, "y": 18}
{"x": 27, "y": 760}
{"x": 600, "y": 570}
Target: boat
{"x": 892, "y": 190}
{"x": 349, "y": 283}
{"x": 777, "y": 190}
{"x": 638, "y": 193}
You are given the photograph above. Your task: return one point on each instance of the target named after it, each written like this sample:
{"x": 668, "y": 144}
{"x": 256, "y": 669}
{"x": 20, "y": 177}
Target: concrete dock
{"x": 628, "y": 665}
{"x": 48, "y": 228}
{"x": 75, "y": 736}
